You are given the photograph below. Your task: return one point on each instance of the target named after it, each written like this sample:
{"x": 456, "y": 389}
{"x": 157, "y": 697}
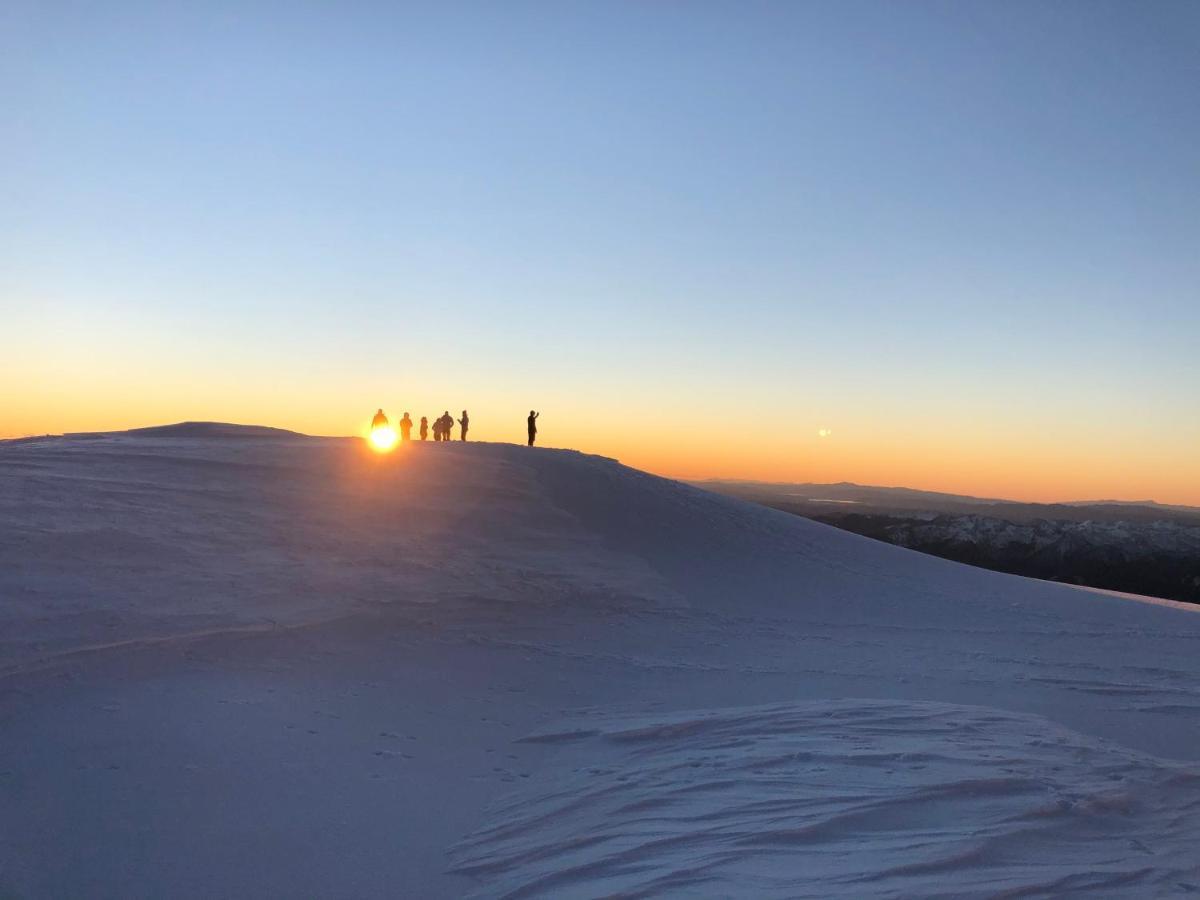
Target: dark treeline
{"x": 1053, "y": 550}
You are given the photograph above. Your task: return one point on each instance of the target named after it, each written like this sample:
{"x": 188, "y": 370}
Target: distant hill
{"x": 1150, "y": 503}
{"x": 200, "y": 430}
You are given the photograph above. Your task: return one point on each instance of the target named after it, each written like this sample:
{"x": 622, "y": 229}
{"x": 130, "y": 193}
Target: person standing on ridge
{"x": 405, "y": 427}
{"x": 447, "y": 424}
{"x": 424, "y": 428}
{"x": 533, "y": 417}
{"x": 465, "y": 422}
{"x": 380, "y": 420}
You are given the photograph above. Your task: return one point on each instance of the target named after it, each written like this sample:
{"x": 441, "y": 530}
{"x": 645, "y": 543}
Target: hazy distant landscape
{"x": 1139, "y": 548}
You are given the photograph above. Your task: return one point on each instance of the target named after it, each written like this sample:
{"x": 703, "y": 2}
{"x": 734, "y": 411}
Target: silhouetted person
{"x": 447, "y": 421}
{"x": 424, "y": 428}
{"x": 532, "y": 420}
{"x": 405, "y": 427}
{"x": 465, "y": 422}
{"x": 380, "y": 420}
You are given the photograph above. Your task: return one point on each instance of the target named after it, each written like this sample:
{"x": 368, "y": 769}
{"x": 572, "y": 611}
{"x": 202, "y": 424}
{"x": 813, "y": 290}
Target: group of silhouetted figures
{"x": 443, "y": 425}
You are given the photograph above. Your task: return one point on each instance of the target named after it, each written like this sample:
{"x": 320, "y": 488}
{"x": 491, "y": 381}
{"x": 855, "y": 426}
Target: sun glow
{"x": 383, "y": 438}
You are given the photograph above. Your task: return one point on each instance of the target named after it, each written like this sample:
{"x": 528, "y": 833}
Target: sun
{"x": 383, "y": 438}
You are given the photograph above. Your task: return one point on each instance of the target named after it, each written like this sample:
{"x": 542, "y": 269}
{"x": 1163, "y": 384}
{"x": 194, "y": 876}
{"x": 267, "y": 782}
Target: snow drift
{"x": 844, "y": 798}
{"x": 280, "y": 665}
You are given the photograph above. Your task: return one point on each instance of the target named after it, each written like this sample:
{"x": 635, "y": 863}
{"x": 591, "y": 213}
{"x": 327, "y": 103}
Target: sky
{"x": 951, "y": 246}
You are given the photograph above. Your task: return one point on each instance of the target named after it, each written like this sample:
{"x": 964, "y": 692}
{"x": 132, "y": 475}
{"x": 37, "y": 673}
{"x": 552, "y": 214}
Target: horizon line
{"x": 722, "y": 479}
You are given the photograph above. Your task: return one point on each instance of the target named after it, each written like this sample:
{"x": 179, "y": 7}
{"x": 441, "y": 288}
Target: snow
{"x": 778, "y": 801}
{"x": 279, "y": 666}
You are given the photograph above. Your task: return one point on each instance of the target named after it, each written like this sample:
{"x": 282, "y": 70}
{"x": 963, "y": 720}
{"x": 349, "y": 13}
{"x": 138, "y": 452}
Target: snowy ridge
{"x": 115, "y": 538}
{"x": 842, "y": 799}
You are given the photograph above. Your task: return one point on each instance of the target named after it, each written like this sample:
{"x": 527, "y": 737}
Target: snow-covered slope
{"x": 281, "y": 665}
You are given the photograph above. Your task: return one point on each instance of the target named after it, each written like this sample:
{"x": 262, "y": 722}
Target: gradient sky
{"x": 963, "y": 236}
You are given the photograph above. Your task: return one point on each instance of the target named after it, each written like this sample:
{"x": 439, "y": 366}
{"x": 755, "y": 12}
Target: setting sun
{"x": 383, "y": 439}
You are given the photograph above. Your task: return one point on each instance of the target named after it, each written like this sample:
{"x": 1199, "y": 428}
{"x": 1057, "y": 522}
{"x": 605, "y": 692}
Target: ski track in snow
{"x": 322, "y": 662}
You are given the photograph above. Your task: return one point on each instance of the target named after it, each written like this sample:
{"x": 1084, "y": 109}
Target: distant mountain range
{"x": 818, "y": 497}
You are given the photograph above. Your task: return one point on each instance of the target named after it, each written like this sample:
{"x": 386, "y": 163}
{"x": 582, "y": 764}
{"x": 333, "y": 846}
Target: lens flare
{"x": 383, "y": 438}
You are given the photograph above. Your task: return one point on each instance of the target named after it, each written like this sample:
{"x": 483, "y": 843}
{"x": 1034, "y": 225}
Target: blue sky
{"x": 863, "y": 215}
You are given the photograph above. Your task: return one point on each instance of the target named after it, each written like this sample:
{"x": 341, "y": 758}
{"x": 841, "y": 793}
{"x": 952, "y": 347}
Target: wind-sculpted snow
{"x": 851, "y": 798}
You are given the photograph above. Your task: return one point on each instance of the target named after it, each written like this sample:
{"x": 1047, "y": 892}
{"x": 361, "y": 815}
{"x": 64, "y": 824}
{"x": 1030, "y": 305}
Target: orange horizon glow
{"x": 974, "y": 462}
{"x": 1007, "y": 310}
